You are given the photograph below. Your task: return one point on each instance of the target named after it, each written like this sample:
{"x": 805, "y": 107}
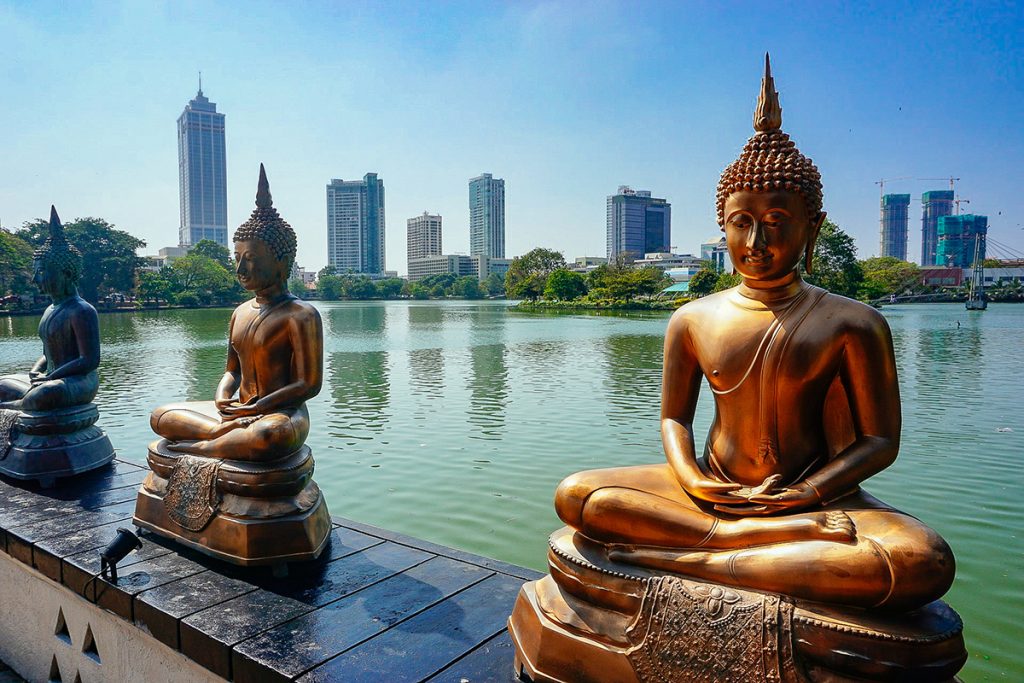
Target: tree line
{"x": 543, "y": 274}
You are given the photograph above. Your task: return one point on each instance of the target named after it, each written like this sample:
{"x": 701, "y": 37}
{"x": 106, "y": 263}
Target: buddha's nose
{"x": 755, "y": 238}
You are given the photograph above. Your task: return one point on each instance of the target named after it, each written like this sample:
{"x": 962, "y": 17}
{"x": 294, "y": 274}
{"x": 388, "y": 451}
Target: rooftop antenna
{"x": 200, "y": 81}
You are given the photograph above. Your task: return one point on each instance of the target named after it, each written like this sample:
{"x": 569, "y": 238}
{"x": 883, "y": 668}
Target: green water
{"x": 455, "y": 421}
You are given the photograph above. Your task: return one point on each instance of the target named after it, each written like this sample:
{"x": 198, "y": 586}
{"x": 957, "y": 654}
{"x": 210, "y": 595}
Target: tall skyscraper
{"x": 895, "y": 218}
{"x": 423, "y": 236}
{"x": 487, "y": 216}
{"x": 637, "y": 224}
{"x": 956, "y": 240}
{"x": 202, "y": 173}
{"x": 934, "y": 205}
{"x": 355, "y": 225}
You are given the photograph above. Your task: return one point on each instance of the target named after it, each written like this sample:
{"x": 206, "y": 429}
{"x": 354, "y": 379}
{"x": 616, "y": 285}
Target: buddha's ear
{"x": 812, "y": 240}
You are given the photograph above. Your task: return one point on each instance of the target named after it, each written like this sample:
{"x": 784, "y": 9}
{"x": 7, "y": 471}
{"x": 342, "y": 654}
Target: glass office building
{"x": 934, "y": 205}
{"x": 202, "y": 174}
{"x": 957, "y": 236}
{"x": 637, "y": 224}
{"x": 895, "y": 219}
{"x": 487, "y": 216}
{"x": 355, "y": 225}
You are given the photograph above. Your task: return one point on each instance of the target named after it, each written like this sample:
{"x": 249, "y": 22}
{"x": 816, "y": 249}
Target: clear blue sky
{"x": 564, "y": 100}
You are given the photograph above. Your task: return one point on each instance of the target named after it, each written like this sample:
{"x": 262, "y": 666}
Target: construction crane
{"x": 951, "y": 180}
{"x": 958, "y": 202}
{"x": 881, "y": 183}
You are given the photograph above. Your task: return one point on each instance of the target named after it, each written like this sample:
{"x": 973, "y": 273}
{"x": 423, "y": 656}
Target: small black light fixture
{"x": 124, "y": 543}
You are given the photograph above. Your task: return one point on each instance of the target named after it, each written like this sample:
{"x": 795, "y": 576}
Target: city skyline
{"x": 542, "y": 118}
{"x": 636, "y": 224}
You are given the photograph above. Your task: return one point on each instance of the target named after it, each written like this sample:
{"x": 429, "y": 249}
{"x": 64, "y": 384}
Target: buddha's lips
{"x": 763, "y": 258}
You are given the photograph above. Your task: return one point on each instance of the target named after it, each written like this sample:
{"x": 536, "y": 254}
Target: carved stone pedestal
{"x": 241, "y": 512}
{"x": 595, "y": 620}
{"x": 46, "y": 446}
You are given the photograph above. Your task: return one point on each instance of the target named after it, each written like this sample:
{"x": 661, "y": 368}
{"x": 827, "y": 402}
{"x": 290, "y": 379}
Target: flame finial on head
{"x": 263, "y": 198}
{"x": 57, "y": 250}
{"x": 266, "y": 224}
{"x": 768, "y": 114}
{"x": 770, "y": 161}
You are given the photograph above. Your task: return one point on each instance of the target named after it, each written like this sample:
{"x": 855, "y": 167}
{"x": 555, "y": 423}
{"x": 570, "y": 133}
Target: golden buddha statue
{"x": 231, "y": 477}
{"x": 47, "y": 418}
{"x": 769, "y": 519}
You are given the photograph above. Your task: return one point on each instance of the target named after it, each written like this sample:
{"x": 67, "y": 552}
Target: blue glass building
{"x": 487, "y": 216}
{"x": 957, "y": 235}
{"x": 355, "y": 225}
{"x": 934, "y": 205}
{"x": 202, "y": 173}
{"x": 637, "y": 224}
{"x": 895, "y": 219}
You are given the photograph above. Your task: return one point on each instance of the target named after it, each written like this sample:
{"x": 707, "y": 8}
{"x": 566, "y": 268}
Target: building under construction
{"x": 894, "y": 221}
{"x": 934, "y": 205}
{"x": 957, "y": 235}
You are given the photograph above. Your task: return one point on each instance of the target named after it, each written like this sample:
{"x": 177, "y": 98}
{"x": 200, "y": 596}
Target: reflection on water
{"x": 488, "y": 391}
{"x": 454, "y": 421}
{"x": 360, "y": 393}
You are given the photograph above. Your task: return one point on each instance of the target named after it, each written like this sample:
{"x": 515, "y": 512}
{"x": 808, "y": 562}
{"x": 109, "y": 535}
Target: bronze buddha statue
{"x": 231, "y": 477}
{"x": 47, "y": 418}
{"x": 769, "y": 519}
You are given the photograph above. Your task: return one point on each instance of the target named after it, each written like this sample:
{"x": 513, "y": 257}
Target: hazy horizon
{"x": 564, "y": 101}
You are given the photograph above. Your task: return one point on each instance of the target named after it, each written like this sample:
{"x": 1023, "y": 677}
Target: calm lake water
{"x": 454, "y": 422}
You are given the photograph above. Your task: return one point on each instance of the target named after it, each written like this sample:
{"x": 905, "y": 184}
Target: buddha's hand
{"x": 786, "y": 499}
{"x": 235, "y": 410}
{"x": 711, "y": 490}
{"x": 37, "y": 377}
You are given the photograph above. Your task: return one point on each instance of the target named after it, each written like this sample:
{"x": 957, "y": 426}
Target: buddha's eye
{"x": 741, "y": 221}
{"x": 775, "y": 219}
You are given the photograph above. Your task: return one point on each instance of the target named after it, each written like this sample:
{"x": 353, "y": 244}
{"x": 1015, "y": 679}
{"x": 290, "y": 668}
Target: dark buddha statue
{"x": 231, "y": 476}
{"x": 47, "y": 417}
{"x": 762, "y": 541}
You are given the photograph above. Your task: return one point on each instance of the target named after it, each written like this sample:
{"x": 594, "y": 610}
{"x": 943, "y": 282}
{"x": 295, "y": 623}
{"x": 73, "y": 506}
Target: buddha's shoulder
{"x": 851, "y": 314}
{"x": 302, "y": 309}
{"x": 699, "y": 310}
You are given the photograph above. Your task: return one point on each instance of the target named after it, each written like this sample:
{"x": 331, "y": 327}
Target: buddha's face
{"x": 768, "y": 232}
{"x": 257, "y": 267}
{"x": 49, "y": 277}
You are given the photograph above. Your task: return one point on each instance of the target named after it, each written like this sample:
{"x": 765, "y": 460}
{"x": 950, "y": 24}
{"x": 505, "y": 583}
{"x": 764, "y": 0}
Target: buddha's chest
{"x": 766, "y": 351}
{"x": 255, "y": 336}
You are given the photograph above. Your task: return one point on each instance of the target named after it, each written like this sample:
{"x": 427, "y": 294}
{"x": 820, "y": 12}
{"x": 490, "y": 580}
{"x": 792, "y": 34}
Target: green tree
{"x": 205, "y": 279}
{"x": 884, "y": 275}
{"x": 528, "y": 273}
{"x": 389, "y": 288}
{"x": 418, "y": 291}
{"x": 153, "y": 286}
{"x": 495, "y": 284}
{"x": 564, "y": 285}
{"x": 704, "y": 280}
{"x": 297, "y": 286}
{"x": 331, "y": 287}
{"x": 326, "y": 270}
{"x": 108, "y": 254}
{"x": 727, "y": 281}
{"x": 467, "y": 287}
{"x": 15, "y": 265}
{"x": 212, "y": 250}
{"x": 835, "y": 265}
{"x": 647, "y": 281}
{"x": 359, "y": 287}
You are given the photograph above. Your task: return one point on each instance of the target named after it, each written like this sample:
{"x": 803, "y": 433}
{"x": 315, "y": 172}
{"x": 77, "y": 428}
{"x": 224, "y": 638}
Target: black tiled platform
{"x": 377, "y": 606}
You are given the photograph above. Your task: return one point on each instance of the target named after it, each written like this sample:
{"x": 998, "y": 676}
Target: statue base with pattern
{"x": 48, "y": 445}
{"x": 593, "y": 619}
